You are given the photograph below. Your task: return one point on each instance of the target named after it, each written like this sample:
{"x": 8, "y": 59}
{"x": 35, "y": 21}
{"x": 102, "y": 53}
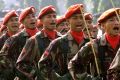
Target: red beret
{"x": 39, "y": 23}
{"x": 25, "y": 12}
{"x": 88, "y": 16}
{"x": 46, "y": 10}
{"x": 107, "y": 14}
{"x": 9, "y": 15}
{"x": 60, "y": 20}
{"x": 73, "y": 9}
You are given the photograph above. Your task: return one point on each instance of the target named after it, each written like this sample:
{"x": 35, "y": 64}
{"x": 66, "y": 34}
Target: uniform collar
{"x": 44, "y": 35}
{"x": 25, "y": 33}
{"x": 69, "y": 36}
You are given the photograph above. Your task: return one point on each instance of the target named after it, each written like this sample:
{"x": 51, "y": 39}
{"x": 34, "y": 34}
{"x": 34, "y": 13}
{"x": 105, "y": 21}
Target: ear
{"x": 67, "y": 20}
{"x": 103, "y": 25}
{"x": 41, "y": 20}
{"x": 22, "y": 21}
{"x": 6, "y": 24}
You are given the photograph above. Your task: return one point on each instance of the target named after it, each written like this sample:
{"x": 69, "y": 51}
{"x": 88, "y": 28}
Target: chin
{"x": 78, "y": 30}
{"x": 15, "y": 32}
{"x": 115, "y": 34}
{"x": 32, "y": 28}
{"x": 52, "y": 28}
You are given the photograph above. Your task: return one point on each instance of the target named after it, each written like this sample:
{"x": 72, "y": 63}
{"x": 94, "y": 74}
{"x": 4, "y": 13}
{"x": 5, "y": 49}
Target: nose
{"x": 53, "y": 18}
{"x": 80, "y": 19}
{"x": 16, "y": 22}
{"x": 117, "y": 22}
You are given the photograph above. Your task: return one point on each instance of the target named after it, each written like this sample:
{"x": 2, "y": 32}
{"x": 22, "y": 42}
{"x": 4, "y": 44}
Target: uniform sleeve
{"x": 5, "y": 49}
{"x": 78, "y": 62}
{"x": 25, "y": 62}
{"x": 115, "y": 65}
{"x": 116, "y": 61}
{"x": 4, "y": 53}
{"x": 47, "y": 60}
{"x": 1, "y": 42}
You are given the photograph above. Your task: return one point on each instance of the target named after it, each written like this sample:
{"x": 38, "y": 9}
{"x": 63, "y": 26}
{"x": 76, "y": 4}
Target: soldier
{"x": 94, "y": 31}
{"x": 89, "y": 22}
{"x": 62, "y": 26}
{"x": 105, "y": 47}
{"x": 11, "y": 21}
{"x": 35, "y": 46}
{"x": 13, "y": 46}
{"x": 54, "y": 61}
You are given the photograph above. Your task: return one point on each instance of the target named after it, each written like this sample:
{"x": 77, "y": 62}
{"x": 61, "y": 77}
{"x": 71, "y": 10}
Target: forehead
{"x": 50, "y": 14}
{"x": 115, "y": 16}
{"x": 77, "y": 15}
{"x": 14, "y": 17}
{"x": 30, "y": 14}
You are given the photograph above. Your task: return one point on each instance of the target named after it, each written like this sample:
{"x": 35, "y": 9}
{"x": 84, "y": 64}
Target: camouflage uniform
{"x": 54, "y": 61}
{"x": 3, "y": 38}
{"x": 31, "y": 53}
{"x": 115, "y": 66}
{"x": 12, "y": 49}
{"x": 104, "y": 52}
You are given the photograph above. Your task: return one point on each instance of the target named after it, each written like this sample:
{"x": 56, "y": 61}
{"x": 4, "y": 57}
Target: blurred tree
{"x": 103, "y": 5}
{"x": 44, "y": 3}
{"x": 27, "y": 3}
{"x": 117, "y": 3}
{"x": 2, "y": 4}
{"x": 89, "y": 5}
{"x": 71, "y": 2}
{"x": 96, "y": 4}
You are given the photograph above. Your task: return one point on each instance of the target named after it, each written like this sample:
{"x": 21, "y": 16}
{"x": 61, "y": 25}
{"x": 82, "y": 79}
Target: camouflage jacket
{"x": 13, "y": 46}
{"x": 55, "y": 59}
{"x": 104, "y": 53}
{"x": 3, "y": 38}
{"x": 114, "y": 68}
{"x": 31, "y": 53}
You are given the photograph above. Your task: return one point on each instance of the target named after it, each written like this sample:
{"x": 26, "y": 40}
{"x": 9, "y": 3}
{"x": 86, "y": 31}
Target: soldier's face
{"x": 76, "y": 22}
{"x": 62, "y": 26}
{"x": 112, "y": 26}
{"x": 30, "y": 21}
{"x": 86, "y": 32}
{"x": 49, "y": 21}
{"x": 94, "y": 32}
{"x": 89, "y": 24}
{"x": 13, "y": 24}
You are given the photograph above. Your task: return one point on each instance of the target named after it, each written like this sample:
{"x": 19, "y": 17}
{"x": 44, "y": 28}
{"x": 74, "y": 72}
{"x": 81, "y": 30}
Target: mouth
{"x": 52, "y": 23}
{"x": 116, "y": 28}
{"x": 14, "y": 26}
{"x": 33, "y": 23}
{"x": 79, "y": 26}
